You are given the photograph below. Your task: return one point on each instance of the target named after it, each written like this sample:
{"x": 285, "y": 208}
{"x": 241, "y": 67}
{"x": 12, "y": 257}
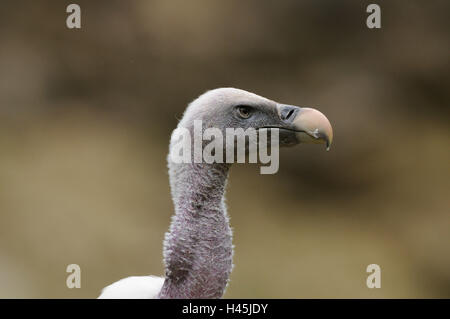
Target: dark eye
{"x": 244, "y": 111}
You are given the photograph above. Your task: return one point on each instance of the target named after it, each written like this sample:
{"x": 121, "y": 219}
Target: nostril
{"x": 289, "y": 114}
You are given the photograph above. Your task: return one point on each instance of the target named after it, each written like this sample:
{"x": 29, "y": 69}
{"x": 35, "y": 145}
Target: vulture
{"x": 198, "y": 247}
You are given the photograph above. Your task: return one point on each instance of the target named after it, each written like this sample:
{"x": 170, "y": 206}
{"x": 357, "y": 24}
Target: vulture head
{"x": 234, "y": 108}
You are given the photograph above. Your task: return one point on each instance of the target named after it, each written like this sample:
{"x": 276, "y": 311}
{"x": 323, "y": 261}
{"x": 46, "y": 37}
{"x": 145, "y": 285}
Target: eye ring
{"x": 244, "y": 111}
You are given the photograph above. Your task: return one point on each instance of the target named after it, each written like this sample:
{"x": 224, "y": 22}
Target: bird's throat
{"x": 197, "y": 248}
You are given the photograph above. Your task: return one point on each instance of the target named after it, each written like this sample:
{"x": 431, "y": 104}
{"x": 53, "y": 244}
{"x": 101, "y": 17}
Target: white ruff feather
{"x": 136, "y": 287}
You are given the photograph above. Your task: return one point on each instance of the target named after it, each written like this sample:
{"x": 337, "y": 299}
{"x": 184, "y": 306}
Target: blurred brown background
{"x": 86, "y": 115}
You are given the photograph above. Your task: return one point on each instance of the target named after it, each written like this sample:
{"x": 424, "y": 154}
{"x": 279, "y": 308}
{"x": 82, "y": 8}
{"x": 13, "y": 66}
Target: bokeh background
{"x": 86, "y": 115}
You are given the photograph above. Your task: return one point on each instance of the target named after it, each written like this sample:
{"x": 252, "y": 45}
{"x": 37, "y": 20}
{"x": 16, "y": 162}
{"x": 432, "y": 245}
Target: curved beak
{"x": 313, "y": 127}
{"x": 309, "y": 125}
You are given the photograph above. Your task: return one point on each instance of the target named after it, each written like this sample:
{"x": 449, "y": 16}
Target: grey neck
{"x": 197, "y": 248}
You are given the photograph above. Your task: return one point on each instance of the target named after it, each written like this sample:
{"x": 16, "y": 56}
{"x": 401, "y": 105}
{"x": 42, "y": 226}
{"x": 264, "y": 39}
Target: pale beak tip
{"x": 328, "y": 144}
{"x": 315, "y": 126}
